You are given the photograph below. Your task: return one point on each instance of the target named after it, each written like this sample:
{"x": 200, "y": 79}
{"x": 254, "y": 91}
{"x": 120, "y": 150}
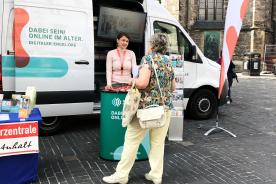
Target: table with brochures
{"x": 22, "y": 166}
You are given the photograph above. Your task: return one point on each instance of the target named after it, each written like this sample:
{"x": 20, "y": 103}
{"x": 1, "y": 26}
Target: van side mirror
{"x": 194, "y": 53}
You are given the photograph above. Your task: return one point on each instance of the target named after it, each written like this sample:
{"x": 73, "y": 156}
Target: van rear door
{"x": 7, "y": 49}
{"x": 1, "y": 28}
{"x": 54, "y": 52}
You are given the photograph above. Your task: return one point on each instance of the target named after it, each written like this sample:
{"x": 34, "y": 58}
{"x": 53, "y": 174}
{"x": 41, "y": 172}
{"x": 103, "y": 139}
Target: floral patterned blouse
{"x": 151, "y": 95}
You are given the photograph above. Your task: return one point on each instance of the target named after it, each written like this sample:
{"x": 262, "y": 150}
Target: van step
{"x": 96, "y": 112}
{"x": 97, "y": 106}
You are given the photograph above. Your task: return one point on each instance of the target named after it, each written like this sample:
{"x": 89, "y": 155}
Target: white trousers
{"x": 133, "y": 137}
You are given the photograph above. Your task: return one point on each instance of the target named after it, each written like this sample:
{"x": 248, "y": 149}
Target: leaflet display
{"x": 178, "y": 95}
{"x": 21, "y": 104}
{"x": 177, "y": 119}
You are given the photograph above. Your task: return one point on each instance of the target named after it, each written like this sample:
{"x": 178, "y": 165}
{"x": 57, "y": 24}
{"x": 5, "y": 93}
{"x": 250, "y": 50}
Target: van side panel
{"x": 73, "y": 4}
{"x": 1, "y": 23}
{"x": 7, "y": 50}
{"x": 53, "y": 51}
{"x": 1, "y": 30}
{"x": 48, "y": 44}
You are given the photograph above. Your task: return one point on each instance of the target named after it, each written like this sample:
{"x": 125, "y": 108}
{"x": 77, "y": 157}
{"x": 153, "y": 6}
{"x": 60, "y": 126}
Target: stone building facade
{"x": 204, "y": 20}
{"x": 172, "y": 6}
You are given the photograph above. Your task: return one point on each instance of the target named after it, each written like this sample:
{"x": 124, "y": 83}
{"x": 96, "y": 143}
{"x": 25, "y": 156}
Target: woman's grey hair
{"x": 159, "y": 43}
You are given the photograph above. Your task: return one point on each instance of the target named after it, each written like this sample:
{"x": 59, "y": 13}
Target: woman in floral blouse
{"x": 150, "y": 94}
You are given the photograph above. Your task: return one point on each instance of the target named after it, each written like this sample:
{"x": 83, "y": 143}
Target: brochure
{"x": 4, "y": 117}
{"x": 15, "y": 103}
{"x": 178, "y": 99}
{"x": 6, "y": 106}
{"x": 24, "y": 109}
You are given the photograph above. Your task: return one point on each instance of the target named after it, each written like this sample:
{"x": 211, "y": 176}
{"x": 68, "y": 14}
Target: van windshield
{"x": 179, "y": 44}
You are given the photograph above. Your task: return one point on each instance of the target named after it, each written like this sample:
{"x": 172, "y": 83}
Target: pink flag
{"x": 236, "y": 11}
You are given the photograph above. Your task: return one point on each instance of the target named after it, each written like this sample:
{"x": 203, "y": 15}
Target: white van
{"x": 60, "y": 48}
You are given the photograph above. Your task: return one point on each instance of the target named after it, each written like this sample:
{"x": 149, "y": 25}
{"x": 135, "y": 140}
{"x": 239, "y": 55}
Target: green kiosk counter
{"x": 111, "y": 131}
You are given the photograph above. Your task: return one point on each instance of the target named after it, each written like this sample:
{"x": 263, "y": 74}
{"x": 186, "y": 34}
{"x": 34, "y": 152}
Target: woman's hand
{"x": 173, "y": 85}
{"x": 131, "y": 82}
{"x": 108, "y": 87}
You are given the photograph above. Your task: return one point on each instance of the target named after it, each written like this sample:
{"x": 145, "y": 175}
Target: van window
{"x": 178, "y": 42}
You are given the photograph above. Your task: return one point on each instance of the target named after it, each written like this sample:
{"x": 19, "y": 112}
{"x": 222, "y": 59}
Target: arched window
{"x": 210, "y": 10}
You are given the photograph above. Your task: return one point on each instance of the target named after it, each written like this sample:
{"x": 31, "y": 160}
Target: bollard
{"x": 176, "y": 127}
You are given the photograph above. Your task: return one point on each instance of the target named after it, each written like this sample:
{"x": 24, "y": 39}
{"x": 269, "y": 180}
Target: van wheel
{"x": 203, "y": 104}
{"x": 50, "y": 125}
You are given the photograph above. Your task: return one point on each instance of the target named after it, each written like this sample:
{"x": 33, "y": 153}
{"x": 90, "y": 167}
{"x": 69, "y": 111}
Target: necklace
{"x": 122, "y": 59}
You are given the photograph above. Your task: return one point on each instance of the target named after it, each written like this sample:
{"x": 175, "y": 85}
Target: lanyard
{"x": 122, "y": 59}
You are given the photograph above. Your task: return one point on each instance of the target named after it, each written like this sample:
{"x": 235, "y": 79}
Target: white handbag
{"x": 152, "y": 116}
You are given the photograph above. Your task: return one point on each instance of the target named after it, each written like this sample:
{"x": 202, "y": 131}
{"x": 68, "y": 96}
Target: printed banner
{"x": 18, "y": 138}
{"x": 236, "y": 11}
{"x": 178, "y": 94}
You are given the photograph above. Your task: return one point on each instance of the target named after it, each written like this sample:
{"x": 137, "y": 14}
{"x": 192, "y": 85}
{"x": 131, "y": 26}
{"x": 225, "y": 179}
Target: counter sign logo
{"x": 116, "y": 102}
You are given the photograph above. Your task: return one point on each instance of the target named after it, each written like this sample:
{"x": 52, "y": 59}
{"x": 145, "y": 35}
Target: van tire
{"x": 50, "y": 125}
{"x": 202, "y": 104}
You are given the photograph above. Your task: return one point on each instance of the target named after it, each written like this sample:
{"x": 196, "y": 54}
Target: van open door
{"x": 53, "y": 46}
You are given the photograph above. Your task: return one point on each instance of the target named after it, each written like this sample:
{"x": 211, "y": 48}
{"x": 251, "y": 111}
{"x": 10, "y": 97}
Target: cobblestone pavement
{"x": 72, "y": 156}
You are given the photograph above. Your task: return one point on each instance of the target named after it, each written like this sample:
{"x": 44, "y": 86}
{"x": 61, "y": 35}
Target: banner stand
{"x": 216, "y": 128}
{"x": 236, "y": 11}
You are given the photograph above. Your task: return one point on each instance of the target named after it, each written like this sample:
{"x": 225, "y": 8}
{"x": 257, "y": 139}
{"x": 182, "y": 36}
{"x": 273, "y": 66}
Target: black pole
{"x": 217, "y": 118}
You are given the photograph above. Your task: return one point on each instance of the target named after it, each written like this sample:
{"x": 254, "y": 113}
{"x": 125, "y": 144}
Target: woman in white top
{"x": 119, "y": 63}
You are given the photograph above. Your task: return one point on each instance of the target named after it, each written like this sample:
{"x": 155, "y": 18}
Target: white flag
{"x": 236, "y": 11}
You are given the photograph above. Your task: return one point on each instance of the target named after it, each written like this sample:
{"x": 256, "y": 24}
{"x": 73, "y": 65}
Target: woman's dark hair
{"x": 121, "y": 34}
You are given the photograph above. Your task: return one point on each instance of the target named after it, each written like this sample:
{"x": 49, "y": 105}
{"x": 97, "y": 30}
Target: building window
{"x": 211, "y": 10}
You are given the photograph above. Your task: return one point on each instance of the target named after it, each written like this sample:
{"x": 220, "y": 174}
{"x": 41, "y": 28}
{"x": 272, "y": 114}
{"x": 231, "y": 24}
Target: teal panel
{"x": 8, "y": 66}
{"x": 37, "y": 67}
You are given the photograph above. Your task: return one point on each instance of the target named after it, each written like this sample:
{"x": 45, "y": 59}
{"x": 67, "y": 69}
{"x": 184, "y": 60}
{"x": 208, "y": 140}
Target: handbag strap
{"x": 162, "y": 97}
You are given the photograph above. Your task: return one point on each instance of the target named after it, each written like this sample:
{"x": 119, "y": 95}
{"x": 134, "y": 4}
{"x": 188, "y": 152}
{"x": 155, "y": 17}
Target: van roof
{"x": 155, "y": 9}
{"x": 82, "y": 4}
